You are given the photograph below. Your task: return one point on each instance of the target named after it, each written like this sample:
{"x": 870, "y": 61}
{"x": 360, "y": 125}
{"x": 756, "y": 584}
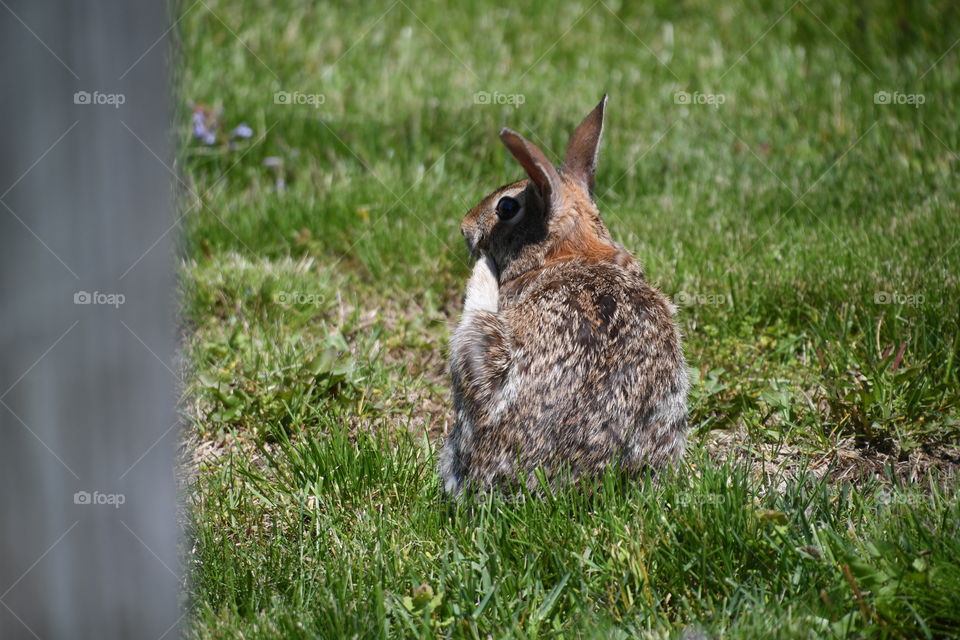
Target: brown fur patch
{"x": 585, "y": 235}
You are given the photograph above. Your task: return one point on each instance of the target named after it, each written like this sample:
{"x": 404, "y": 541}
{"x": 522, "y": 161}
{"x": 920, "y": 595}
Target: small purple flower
{"x": 204, "y": 130}
{"x": 243, "y": 130}
{"x": 199, "y": 124}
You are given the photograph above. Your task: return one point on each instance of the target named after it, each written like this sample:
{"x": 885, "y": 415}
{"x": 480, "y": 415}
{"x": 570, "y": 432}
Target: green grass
{"x": 808, "y": 233}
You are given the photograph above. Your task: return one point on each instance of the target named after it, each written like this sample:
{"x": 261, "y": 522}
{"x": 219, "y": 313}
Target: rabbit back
{"x": 595, "y": 376}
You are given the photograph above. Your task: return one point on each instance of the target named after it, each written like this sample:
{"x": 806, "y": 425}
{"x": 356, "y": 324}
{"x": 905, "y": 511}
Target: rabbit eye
{"x": 507, "y": 207}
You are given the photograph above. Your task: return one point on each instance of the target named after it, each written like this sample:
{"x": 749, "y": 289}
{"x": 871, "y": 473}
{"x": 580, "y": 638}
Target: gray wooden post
{"x": 88, "y": 522}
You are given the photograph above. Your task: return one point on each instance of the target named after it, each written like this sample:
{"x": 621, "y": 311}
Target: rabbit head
{"x": 548, "y": 216}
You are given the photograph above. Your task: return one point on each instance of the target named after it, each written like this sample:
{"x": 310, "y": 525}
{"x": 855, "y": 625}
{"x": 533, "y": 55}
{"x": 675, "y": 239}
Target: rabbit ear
{"x": 580, "y": 161}
{"x": 541, "y": 171}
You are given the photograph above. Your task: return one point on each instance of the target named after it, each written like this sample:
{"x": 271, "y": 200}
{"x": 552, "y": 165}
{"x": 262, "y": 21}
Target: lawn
{"x": 787, "y": 173}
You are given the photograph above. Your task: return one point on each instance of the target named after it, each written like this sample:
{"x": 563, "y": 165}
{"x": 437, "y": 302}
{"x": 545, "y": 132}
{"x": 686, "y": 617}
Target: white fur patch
{"x": 452, "y": 486}
{"x": 483, "y": 288}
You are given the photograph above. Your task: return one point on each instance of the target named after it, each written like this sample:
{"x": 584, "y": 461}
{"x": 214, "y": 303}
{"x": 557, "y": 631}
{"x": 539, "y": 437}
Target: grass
{"x": 806, "y": 229}
{"x": 350, "y": 537}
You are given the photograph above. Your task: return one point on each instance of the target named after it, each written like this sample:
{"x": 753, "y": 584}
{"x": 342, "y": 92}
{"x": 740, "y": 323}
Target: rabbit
{"x": 565, "y": 359}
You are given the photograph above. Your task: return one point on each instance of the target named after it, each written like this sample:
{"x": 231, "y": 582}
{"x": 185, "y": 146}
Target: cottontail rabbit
{"x": 565, "y": 358}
